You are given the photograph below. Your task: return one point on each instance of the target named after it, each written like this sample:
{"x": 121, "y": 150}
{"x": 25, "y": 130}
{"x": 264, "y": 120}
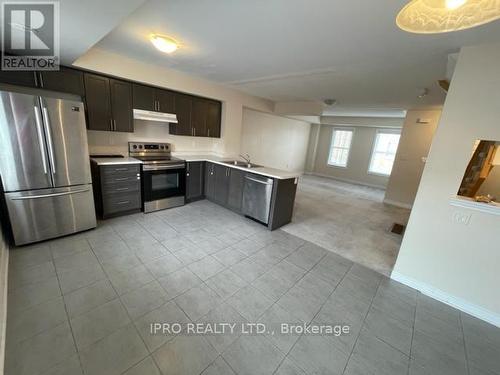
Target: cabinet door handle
{"x": 114, "y": 125}
{"x": 159, "y": 106}
{"x": 41, "y": 80}
{"x": 208, "y": 132}
{"x": 121, "y": 179}
{"x": 121, "y": 189}
{"x": 123, "y": 202}
{"x": 111, "y": 124}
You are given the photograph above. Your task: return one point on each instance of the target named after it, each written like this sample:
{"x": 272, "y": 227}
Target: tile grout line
{"x": 413, "y": 333}
{"x": 67, "y": 313}
{"x": 126, "y": 311}
{"x": 362, "y": 324}
{"x": 323, "y": 304}
{"x": 464, "y": 342}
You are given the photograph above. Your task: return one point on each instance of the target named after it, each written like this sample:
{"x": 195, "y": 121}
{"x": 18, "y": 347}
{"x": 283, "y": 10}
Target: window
{"x": 341, "y": 145}
{"x": 384, "y": 152}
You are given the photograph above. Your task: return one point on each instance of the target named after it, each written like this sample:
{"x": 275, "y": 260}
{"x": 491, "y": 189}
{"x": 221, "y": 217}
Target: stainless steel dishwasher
{"x": 257, "y": 194}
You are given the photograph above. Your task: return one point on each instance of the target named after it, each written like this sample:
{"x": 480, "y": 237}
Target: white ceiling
{"x": 290, "y": 50}
{"x": 85, "y": 22}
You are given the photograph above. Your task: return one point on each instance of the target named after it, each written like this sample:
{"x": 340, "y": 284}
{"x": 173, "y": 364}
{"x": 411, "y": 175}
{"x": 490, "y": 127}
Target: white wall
{"x": 458, "y": 263}
{"x": 415, "y": 143}
{"x": 275, "y": 141}
{"x": 365, "y": 129}
{"x": 232, "y": 109}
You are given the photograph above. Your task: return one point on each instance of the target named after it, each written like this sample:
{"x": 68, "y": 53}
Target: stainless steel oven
{"x": 163, "y": 177}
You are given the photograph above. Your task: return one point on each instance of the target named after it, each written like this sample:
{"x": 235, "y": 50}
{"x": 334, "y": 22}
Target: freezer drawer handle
{"x": 260, "y": 182}
{"x": 49, "y": 140}
{"x": 40, "y": 139}
{"x": 50, "y": 195}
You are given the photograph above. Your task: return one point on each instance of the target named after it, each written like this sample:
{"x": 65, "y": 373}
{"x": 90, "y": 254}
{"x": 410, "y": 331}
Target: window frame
{"x": 341, "y": 128}
{"x": 374, "y": 143}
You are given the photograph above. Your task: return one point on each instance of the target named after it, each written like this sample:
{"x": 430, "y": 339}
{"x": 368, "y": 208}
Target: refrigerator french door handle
{"x": 49, "y": 140}
{"x": 41, "y": 142}
{"x": 28, "y": 197}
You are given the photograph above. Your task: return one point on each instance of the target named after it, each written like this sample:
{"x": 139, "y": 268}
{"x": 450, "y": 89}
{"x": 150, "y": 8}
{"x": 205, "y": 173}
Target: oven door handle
{"x": 163, "y": 167}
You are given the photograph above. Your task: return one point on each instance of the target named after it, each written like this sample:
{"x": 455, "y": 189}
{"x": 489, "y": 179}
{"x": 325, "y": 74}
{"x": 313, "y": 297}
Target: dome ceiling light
{"x": 441, "y": 16}
{"x": 164, "y": 43}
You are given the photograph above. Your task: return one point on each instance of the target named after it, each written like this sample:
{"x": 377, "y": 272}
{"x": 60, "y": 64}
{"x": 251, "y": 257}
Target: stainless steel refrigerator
{"x": 44, "y": 166}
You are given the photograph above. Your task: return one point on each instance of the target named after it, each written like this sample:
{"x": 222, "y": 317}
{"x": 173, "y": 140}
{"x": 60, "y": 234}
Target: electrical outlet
{"x": 461, "y": 218}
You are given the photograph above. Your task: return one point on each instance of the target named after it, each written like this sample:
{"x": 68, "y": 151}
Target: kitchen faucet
{"x": 246, "y": 158}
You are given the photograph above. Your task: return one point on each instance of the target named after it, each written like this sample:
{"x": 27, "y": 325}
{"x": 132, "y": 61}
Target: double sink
{"x": 243, "y": 164}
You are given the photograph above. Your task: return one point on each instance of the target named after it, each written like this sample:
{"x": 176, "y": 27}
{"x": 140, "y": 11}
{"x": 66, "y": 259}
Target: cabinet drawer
{"x": 122, "y": 169}
{"x": 118, "y": 178}
{"x": 121, "y": 202}
{"x": 121, "y": 187}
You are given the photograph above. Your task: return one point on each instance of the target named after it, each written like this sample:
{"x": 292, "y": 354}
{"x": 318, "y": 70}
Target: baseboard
{"x": 398, "y": 204}
{"x": 347, "y": 180}
{"x": 458, "y": 303}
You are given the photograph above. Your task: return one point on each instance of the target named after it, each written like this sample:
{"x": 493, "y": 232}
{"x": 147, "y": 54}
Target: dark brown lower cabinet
{"x": 117, "y": 189}
{"x": 195, "y": 181}
{"x": 236, "y": 184}
{"x": 221, "y": 184}
{"x": 225, "y": 186}
{"x": 210, "y": 181}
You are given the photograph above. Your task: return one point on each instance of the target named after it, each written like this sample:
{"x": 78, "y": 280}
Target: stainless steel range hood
{"x": 140, "y": 114}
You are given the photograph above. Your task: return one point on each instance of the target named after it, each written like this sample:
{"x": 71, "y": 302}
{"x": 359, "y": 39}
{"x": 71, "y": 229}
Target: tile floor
{"x": 84, "y": 305}
{"x": 349, "y": 219}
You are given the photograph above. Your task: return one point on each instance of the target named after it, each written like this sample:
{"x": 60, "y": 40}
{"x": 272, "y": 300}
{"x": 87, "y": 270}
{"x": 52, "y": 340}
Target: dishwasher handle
{"x": 268, "y": 181}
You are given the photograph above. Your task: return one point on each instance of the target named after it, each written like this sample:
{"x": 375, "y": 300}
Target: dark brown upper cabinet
{"x": 144, "y": 97}
{"x": 109, "y": 103}
{"x": 18, "y": 78}
{"x": 63, "y": 80}
{"x": 183, "y": 104}
{"x": 166, "y": 101}
{"x": 121, "y": 105}
{"x": 198, "y": 117}
{"x": 214, "y": 112}
{"x": 153, "y": 99}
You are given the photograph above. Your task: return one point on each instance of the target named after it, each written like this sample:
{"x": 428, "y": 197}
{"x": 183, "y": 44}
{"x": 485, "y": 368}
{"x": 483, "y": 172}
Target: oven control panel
{"x": 148, "y": 147}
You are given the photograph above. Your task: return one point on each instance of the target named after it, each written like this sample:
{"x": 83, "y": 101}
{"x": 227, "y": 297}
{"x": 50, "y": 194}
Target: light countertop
{"x": 264, "y": 171}
{"x": 116, "y": 161}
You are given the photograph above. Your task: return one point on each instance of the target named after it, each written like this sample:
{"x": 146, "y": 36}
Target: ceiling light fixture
{"x": 441, "y": 16}
{"x": 164, "y": 43}
{"x": 423, "y": 93}
{"x": 454, "y": 4}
